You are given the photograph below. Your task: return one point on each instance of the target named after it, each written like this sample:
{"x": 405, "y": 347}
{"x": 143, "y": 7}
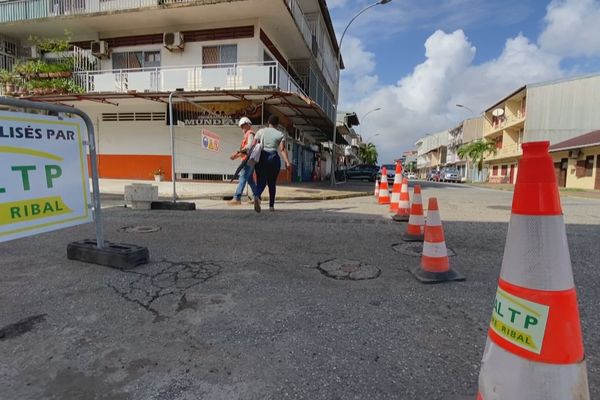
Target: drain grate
{"x": 348, "y": 269}
{"x": 140, "y": 229}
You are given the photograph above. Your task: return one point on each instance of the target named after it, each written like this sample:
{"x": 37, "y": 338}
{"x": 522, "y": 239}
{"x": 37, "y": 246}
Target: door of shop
{"x": 561, "y": 172}
{"x": 597, "y": 182}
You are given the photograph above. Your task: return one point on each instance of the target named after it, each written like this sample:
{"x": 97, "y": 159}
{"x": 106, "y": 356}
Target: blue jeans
{"x": 245, "y": 177}
{"x": 266, "y": 173}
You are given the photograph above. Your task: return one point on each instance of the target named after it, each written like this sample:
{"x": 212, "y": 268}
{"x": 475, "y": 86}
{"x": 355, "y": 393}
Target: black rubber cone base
{"x": 436, "y": 277}
{"x": 413, "y": 238}
{"x": 115, "y": 255}
{"x": 401, "y": 218}
{"x": 169, "y": 205}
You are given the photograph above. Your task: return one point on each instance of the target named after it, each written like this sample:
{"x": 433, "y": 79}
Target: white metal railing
{"x": 301, "y": 21}
{"x": 188, "y": 78}
{"x": 20, "y": 10}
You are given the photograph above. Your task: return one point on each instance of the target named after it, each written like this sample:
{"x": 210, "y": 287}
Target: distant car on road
{"x": 450, "y": 175}
{"x": 391, "y": 172}
{"x": 411, "y": 175}
{"x": 433, "y": 176}
{"x": 368, "y": 172}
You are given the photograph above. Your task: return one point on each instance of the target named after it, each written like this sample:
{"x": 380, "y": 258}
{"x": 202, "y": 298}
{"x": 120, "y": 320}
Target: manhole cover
{"x": 140, "y": 229}
{"x": 348, "y": 269}
{"x": 415, "y": 249}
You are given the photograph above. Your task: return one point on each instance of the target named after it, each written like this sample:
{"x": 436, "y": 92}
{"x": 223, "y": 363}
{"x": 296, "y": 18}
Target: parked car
{"x": 368, "y": 172}
{"x": 450, "y": 175}
{"x": 433, "y": 176}
{"x": 411, "y": 175}
{"x": 391, "y": 172}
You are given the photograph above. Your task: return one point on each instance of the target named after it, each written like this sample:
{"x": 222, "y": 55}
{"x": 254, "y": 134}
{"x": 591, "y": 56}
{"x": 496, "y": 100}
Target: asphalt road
{"x": 233, "y": 306}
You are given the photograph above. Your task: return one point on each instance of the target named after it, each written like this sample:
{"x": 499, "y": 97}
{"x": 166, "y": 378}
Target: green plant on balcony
{"x": 52, "y": 45}
{"x": 9, "y": 79}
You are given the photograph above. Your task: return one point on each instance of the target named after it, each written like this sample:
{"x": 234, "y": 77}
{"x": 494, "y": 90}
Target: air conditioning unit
{"x": 575, "y": 153}
{"x": 31, "y": 52}
{"x": 100, "y": 48}
{"x": 173, "y": 41}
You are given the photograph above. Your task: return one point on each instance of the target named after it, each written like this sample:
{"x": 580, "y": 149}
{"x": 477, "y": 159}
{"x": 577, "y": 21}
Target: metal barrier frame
{"x": 26, "y": 104}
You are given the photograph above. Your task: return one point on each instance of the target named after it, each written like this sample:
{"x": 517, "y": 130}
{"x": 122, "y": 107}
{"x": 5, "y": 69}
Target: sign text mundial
{"x": 43, "y": 175}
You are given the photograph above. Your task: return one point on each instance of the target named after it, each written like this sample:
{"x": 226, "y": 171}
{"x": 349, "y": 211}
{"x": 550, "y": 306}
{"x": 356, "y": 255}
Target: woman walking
{"x": 267, "y": 170}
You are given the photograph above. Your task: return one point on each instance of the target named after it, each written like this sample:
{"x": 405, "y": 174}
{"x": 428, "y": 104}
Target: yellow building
{"x": 577, "y": 161}
{"x": 554, "y": 111}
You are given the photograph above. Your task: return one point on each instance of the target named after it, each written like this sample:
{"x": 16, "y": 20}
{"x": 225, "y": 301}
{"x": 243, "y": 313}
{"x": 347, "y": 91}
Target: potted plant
{"x": 9, "y": 79}
{"x": 158, "y": 174}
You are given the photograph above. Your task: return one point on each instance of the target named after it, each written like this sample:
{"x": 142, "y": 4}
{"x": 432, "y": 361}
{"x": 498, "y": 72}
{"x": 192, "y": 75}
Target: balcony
{"x": 240, "y": 76}
{"x": 504, "y": 123}
{"x": 507, "y": 151}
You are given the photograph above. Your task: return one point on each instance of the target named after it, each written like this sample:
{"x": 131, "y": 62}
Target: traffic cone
{"x": 384, "y": 193}
{"x": 403, "y": 212}
{"x": 416, "y": 221}
{"x": 396, "y": 189}
{"x": 534, "y": 348}
{"x": 435, "y": 266}
{"x": 377, "y": 190}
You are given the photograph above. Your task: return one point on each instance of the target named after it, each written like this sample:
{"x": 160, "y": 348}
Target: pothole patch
{"x": 348, "y": 269}
{"x": 415, "y": 249}
{"x": 140, "y": 229}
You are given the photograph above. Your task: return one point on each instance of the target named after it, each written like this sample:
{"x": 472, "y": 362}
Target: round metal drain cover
{"x": 140, "y": 229}
{"x": 415, "y": 249}
{"x": 348, "y": 269}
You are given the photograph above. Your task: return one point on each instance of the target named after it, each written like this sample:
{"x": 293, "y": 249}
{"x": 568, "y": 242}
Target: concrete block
{"x": 141, "y": 195}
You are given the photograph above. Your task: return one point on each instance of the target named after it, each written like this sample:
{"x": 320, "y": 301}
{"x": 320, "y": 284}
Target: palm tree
{"x": 476, "y": 151}
{"x": 368, "y": 154}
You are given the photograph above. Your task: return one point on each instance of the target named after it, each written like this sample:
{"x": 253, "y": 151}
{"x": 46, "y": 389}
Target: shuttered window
{"x": 225, "y": 54}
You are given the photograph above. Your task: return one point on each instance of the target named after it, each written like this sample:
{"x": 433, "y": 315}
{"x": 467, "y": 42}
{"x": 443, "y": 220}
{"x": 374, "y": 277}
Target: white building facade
{"x": 225, "y": 59}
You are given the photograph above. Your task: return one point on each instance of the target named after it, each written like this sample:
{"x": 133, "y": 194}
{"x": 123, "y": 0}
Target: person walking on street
{"x": 267, "y": 169}
{"x": 246, "y": 175}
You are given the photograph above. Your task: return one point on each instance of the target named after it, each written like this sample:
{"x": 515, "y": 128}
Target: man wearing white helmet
{"x": 246, "y": 174}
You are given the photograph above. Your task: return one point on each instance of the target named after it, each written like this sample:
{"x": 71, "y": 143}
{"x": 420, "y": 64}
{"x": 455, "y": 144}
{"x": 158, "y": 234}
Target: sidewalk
{"x": 588, "y": 194}
{"x": 217, "y": 190}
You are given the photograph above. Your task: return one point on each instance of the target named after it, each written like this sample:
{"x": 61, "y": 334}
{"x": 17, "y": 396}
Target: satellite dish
{"x": 498, "y": 112}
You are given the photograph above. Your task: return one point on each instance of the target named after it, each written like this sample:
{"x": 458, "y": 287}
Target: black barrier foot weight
{"x": 169, "y": 205}
{"x": 116, "y": 255}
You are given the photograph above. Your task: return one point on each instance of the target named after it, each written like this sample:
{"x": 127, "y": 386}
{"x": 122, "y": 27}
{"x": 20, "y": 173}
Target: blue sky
{"x": 416, "y": 59}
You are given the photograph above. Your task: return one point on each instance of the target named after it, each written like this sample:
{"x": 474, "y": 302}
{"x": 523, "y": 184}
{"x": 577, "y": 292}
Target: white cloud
{"x": 425, "y": 100}
{"x": 572, "y": 28}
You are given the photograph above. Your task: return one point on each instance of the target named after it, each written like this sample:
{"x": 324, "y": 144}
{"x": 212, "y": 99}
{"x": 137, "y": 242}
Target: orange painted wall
{"x": 132, "y": 166}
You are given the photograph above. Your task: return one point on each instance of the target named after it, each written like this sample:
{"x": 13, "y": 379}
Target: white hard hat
{"x": 243, "y": 121}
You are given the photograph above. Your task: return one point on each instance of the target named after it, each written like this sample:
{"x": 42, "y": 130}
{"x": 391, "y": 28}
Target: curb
{"x": 219, "y": 196}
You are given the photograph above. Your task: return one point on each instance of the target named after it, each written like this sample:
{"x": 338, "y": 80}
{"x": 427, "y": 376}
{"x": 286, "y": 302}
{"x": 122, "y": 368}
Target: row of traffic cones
{"x": 435, "y": 264}
{"x": 534, "y": 348}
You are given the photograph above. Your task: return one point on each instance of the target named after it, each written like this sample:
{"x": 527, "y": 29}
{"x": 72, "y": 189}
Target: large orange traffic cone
{"x": 435, "y": 265}
{"x": 403, "y": 212}
{"x": 416, "y": 221}
{"x": 384, "y": 193}
{"x": 534, "y": 349}
{"x": 396, "y": 189}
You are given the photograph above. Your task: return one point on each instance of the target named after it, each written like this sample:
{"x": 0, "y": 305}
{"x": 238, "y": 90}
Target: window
{"x": 225, "y": 54}
{"x": 504, "y": 170}
{"x": 136, "y": 59}
{"x": 495, "y": 170}
{"x": 585, "y": 167}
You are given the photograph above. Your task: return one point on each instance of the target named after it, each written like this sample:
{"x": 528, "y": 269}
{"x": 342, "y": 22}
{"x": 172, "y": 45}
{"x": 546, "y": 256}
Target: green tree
{"x": 368, "y": 154}
{"x": 476, "y": 151}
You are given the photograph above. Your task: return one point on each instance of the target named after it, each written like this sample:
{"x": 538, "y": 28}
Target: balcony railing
{"x": 21, "y": 10}
{"x": 240, "y": 76}
{"x": 509, "y": 150}
{"x": 505, "y": 122}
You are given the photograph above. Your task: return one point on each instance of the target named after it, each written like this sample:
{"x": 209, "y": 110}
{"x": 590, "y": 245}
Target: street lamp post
{"x": 465, "y": 107}
{"x": 371, "y": 137}
{"x": 364, "y": 117}
{"x": 337, "y": 87}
